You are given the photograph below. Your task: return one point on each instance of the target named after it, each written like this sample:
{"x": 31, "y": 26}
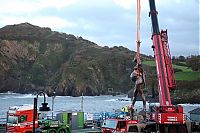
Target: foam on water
{"x": 111, "y": 100}
{"x": 24, "y": 96}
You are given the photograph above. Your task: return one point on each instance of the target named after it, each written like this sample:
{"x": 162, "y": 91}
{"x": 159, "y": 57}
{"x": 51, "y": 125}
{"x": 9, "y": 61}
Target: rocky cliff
{"x": 34, "y": 58}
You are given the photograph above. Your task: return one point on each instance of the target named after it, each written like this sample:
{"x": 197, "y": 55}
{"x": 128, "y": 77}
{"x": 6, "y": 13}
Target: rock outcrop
{"x": 34, "y": 58}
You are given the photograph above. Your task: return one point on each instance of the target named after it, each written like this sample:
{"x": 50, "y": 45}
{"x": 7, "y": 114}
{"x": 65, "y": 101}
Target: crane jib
{"x": 165, "y": 100}
{"x": 159, "y": 57}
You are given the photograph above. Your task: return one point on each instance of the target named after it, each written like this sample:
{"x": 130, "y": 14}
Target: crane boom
{"x": 165, "y": 73}
{"x": 164, "y": 95}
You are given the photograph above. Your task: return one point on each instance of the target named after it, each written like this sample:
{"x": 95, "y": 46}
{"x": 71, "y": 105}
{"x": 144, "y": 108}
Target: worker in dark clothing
{"x": 139, "y": 78}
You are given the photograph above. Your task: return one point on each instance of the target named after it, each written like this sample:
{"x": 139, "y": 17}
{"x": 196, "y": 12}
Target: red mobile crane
{"x": 167, "y": 116}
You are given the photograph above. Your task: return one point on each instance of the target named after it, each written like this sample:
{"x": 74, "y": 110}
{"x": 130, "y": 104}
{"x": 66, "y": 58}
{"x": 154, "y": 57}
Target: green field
{"x": 185, "y": 74}
{"x": 149, "y": 63}
{"x": 189, "y": 76}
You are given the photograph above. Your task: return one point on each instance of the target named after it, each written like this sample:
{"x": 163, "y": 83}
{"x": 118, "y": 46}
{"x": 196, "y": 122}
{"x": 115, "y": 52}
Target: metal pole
{"x": 82, "y": 103}
{"x": 53, "y": 97}
{"x": 34, "y": 113}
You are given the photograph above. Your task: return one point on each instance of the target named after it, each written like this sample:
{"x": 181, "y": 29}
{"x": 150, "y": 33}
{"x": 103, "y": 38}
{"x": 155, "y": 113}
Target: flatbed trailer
{"x": 89, "y": 130}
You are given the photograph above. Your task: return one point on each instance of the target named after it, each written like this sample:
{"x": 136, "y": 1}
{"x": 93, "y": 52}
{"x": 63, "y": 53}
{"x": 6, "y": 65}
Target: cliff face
{"x": 34, "y": 58}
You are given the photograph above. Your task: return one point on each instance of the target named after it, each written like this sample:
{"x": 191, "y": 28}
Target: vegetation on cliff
{"x": 34, "y": 58}
{"x": 187, "y": 73}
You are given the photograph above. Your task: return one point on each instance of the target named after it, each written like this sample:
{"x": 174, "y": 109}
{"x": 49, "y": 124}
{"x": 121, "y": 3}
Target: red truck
{"x": 20, "y": 119}
{"x": 117, "y": 125}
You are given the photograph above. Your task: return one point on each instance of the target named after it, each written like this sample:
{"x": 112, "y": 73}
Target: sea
{"x": 90, "y": 104}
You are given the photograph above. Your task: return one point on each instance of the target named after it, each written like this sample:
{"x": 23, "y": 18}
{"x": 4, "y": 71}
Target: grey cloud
{"x": 112, "y": 25}
{"x": 105, "y": 23}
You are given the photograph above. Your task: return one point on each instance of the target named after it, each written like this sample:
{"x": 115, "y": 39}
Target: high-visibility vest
{"x": 124, "y": 109}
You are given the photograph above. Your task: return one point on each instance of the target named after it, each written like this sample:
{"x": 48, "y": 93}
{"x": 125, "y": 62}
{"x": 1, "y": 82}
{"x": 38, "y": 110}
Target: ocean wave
{"x": 88, "y": 96}
{"x": 8, "y": 93}
{"x": 111, "y": 100}
{"x": 118, "y": 100}
{"x": 18, "y": 95}
{"x": 24, "y": 96}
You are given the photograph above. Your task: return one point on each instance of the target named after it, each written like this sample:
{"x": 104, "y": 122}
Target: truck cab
{"x": 116, "y": 125}
{"x": 20, "y": 119}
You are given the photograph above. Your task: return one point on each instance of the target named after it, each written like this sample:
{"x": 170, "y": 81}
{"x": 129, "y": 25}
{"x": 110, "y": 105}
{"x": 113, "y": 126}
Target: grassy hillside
{"x": 183, "y": 72}
{"x": 188, "y": 82}
{"x": 188, "y": 76}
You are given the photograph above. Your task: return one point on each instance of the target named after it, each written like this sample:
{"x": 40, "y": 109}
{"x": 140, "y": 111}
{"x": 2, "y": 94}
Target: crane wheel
{"x": 52, "y": 131}
{"x": 62, "y": 131}
{"x": 133, "y": 129}
{"x": 172, "y": 129}
{"x": 182, "y": 129}
{"x": 148, "y": 130}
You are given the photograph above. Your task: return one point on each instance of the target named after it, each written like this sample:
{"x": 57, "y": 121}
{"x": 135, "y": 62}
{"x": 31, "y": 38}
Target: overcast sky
{"x": 111, "y": 22}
